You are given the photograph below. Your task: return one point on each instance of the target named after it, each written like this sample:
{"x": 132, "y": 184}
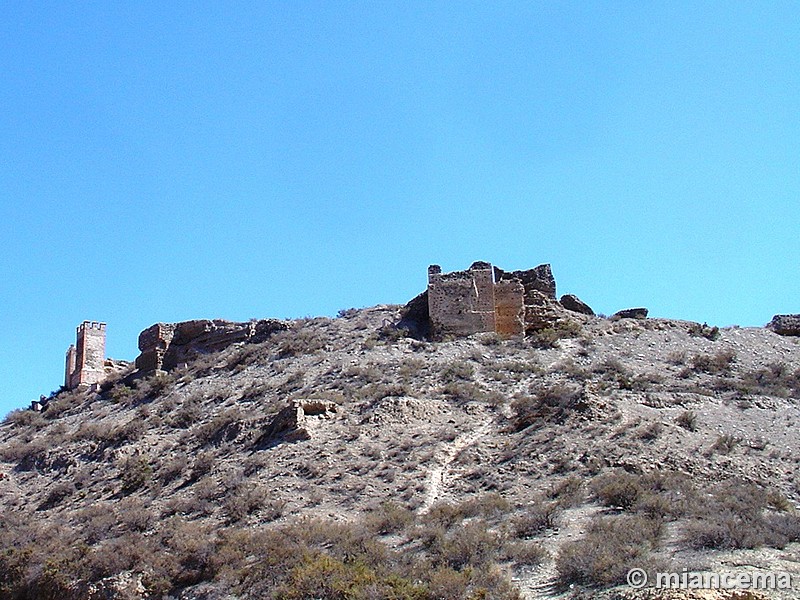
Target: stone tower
{"x": 84, "y": 363}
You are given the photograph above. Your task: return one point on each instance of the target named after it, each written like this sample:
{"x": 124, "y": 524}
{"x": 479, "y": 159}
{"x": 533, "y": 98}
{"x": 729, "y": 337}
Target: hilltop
{"x": 341, "y": 458}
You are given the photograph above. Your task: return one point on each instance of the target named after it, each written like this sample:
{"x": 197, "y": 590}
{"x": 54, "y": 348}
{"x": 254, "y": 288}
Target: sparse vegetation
{"x": 548, "y": 337}
{"x": 717, "y": 363}
{"x": 548, "y": 403}
{"x": 134, "y": 473}
{"x": 611, "y": 547}
{"x": 704, "y": 330}
{"x": 577, "y": 454}
{"x": 725, "y": 443}
{"x": 688, "y": 420}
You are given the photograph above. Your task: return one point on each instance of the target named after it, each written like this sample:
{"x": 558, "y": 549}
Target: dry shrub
{"x": 224, "y": 427}
{"x": 172, "y": 469}
{"x": 725, "y": 443}
{"x": 446, "y": 514}
{"x": 704, "y": 330}
{"x": 299, "y": 341}
{"x": 617, "y": 490}
{"x": 134, "y": 472}
{"x": 190, "y": 412}
{"x": 135, "y": 515}
{"x": 525, "y": 553}
{"x": 472, "y": 544}
{"x": 536, "y": 519}
{"x": 57, "y": 494}
{"x": 243, "y": 501}
{"x": 23, "y": 417}
{"x": 688, "y": 420}
{"x": 569, "y": 492}
{"x": 389, "y": 517}
{"x": 715, "y": 364}
{"x": 550, "y": 403}
{"x": 611, "y": 547}
{"x": 736, "y": 515}
{"x": 460, "y": 370}
{"x": 776, "y": 379}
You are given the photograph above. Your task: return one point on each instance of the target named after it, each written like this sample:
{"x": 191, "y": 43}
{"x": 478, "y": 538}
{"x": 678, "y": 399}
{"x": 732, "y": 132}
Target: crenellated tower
{"x": 85, "y": 360}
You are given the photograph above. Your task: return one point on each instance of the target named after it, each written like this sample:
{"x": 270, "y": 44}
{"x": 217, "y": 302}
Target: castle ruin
{"x": 485, "y": 298}
{"x": 164, "y": 346}
{"x": 85, "y": 362}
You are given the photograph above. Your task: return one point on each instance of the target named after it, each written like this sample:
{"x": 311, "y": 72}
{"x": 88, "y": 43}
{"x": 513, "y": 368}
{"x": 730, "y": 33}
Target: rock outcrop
{"x": 785, "y": 324}
{"x": 415, "y": 316}
{"x": 631, "y": 313}
{"x": 575, "y": 304}
{"x": 163, "y": 346}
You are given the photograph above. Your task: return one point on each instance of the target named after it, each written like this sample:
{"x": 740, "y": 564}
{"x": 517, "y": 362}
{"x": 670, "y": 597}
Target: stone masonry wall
{"x": 487, "y": 299}
{"x": 87, "y": 359}
{"x": 509, "y": 308}
{"x": 72, "y": 357}
{"x": 462, "y": 302}
{"x": 164, "y": 346}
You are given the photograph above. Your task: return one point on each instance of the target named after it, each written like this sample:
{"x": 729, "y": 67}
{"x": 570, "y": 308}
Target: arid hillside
{"x": 342, "y": 459}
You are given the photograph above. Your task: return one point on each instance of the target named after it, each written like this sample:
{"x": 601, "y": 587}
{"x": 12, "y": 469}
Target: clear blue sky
{"x": 169, "y": 161}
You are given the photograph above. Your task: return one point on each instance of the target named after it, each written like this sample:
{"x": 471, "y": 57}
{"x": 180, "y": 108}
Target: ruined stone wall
{"x": 538, "y": 279}
{"x": 164, "y": 346}
{"x": 153, "y": 344}
{"x": 509, "y": 308}
{"x": 487, "y": 299}
{"x": 87, "y": 359}
{"x": 462, "y": 302}
{"x": 69, "y": 369}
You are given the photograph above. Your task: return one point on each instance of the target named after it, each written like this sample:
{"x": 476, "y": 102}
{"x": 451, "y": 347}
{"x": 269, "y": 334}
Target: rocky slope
{"x": 340, "y": 459}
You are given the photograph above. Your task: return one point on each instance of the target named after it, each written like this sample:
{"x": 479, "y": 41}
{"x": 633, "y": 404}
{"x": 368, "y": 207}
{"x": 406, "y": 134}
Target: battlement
{"x": 96, "y": 325}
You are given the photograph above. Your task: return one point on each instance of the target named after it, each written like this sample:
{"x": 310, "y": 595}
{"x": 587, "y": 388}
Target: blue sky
{"x": 169, "y": 161}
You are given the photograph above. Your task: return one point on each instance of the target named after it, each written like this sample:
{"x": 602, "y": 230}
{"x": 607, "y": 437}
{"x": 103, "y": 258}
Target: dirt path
{"x": 444, "y": 458}
{"x": 539, "y": 583}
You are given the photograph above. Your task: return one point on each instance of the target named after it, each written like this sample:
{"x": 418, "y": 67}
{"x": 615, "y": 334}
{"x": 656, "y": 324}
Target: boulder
{"x": 575, "y": 304}
{"x": 785, "y": 324}
{"x": 631, "y": 313}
